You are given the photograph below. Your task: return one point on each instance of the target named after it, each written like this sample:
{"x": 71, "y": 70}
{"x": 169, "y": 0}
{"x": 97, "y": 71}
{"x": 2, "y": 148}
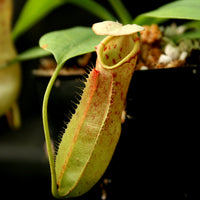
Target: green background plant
{"x": 34, "y": 11}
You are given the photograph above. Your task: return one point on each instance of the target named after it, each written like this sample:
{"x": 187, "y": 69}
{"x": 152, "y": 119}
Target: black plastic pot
{"x": 159, "y": 147}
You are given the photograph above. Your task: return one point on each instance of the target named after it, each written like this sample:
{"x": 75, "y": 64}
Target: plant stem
{"x": 46, "y": 130}
{"x": 121, "y": 10}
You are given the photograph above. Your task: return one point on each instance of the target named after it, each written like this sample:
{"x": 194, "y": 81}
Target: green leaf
{"x": 32, "y": 12}
{"x": 33, "y": 53}
{"x": 63, "y": 45}
{"x": 69, "y": 43}
{"x": 181, "y": 9}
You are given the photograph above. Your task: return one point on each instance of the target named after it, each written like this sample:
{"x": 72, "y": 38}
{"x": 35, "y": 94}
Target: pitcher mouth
{"x": 114, "y": 51}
